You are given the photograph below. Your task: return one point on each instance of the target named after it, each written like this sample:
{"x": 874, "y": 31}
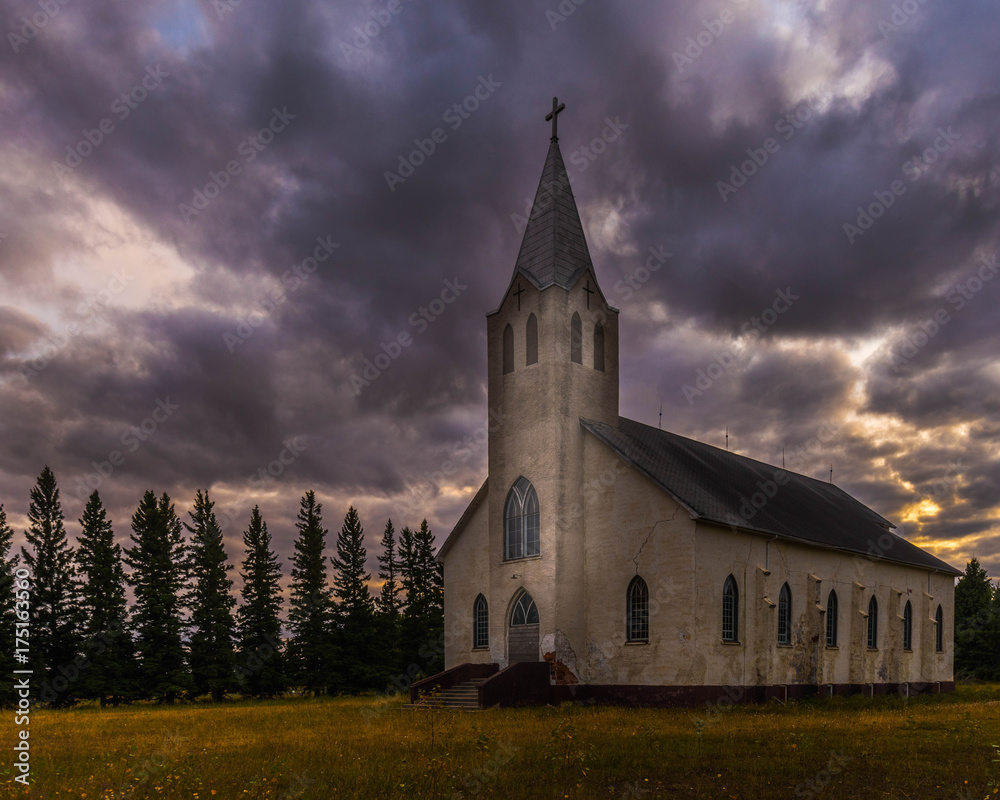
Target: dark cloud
{"x": 917, "y": 105}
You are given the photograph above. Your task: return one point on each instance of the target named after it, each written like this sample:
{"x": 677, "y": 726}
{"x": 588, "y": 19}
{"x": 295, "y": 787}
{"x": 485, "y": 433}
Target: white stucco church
{"x": 608, "y": 559}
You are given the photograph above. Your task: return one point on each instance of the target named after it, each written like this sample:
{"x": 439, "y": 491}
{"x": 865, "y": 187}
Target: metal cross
{"x": 518, "y": 294}
{"x": 553, "y": 115}
{"x": 589, "y": 292}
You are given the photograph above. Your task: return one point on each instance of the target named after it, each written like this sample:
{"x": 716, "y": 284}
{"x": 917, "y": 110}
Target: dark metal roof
{"x": 718, "y": 486}
{"x": 554, "y": 249}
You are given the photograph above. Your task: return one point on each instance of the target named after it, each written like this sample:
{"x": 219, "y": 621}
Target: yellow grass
{"x": 927, "y": 747}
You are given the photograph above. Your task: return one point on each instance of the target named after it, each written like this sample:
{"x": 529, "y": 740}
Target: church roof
{"x": 554, "y": 249}
{"x": 716, "y": 486}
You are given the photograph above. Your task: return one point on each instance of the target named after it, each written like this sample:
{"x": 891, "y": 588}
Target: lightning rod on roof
{"x": 831, "y": 473}
{"x": 727, "y": 437}
{"x": 660, "y": 424}
{"x": 782, "y": 457}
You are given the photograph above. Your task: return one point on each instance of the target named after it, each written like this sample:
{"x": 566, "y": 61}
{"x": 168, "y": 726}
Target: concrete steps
{"x": 461, "y": 696}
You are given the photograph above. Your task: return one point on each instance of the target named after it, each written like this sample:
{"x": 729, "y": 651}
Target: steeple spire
{"x": 554, "y": 248}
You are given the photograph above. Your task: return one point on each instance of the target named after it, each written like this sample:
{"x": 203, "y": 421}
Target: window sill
{"x": 481, "y": 649}
{"x": 872, "y": 649}
{"x": 782, "y": 644}
{"x": 637, "y": 642}
{"x": 832, "y": 647}
{"x": 907, "y": 649}
{"x": 521, "y": 558}
{"x": 731, "y": 642}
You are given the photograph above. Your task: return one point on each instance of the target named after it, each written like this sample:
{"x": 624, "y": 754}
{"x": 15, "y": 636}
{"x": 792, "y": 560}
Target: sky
{"x": 215, "y": 215}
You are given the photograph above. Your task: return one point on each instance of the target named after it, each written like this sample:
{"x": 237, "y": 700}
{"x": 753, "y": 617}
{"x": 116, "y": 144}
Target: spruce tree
{"x": 54, "y": 595}
{"x": 107, "y": 644}
{"x": 8, "y": 564}
{"x": 422, "y": 628}
{"x": 356, "y": 636}
{"x": 973, "y": 604}
{"x": 159, "y": 563}
{"x": 260, "y": 665}
{"x": 212, "y": 604}
{"x": 387, "y": 605}
{"x": 310, "y": 613}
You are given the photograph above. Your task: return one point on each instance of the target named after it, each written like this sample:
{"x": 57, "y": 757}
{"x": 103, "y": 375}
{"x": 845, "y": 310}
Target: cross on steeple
{"x": 553, "y": 115}
{"x": 589, "y": 292}
{"x": 518, "y": 294}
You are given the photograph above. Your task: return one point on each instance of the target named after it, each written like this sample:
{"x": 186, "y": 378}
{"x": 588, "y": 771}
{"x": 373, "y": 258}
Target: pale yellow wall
{"x": 466, "y": 567}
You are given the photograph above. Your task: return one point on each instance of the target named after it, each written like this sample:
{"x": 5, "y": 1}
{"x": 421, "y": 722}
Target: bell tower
{"x": 552, "y": 361}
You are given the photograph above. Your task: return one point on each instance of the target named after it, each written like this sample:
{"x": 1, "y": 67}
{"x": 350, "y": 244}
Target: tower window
{"x": 637, "y": 611}
{"x": 520, "y": 523}
{"x": 908, "y": 626}
{"x": 730, "y": 611}
{"x": 481, "y": 623}
{"x": 599, "y": 347}
{"x": 785, "y": 615}
{"x": 831, "y": 620}
{"x": 873, "y": 623}
{"x": 508, "y": 350}
{"x": 531, "y": 340}
{"x": 576, "y": 340}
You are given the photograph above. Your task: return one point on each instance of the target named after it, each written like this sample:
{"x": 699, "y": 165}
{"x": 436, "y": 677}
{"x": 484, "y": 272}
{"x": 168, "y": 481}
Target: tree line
{"x": 977, "y": 625}
{"x": 183, "y": 634}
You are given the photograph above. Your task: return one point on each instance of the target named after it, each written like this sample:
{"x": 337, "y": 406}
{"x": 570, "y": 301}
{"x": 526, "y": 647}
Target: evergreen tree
{"x": 107, "y": 644}
{"x": 387, "y": 605}
{"x": 310, "y": 612}
{"x": 422, "y": 628}
{"x": 261, "y": 664}
{"x": 159, "y": 563}
{"x": 356, "y": 610}
{"x": 54, "y": 595}
{"x": 8, "y": 564}
{"x": 212, "y": 604}
{"x": 973, "y": 624}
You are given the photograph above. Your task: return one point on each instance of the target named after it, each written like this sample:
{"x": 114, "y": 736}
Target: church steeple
{"x": 554, "y": 248}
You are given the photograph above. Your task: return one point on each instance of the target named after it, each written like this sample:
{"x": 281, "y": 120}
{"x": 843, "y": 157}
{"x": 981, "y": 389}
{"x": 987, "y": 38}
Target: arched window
{"x": 908, "y": 626}
{"x": 637, "y": 611}
{"x": 520, "y": 521}
{"x": 730, "y": 611}
{"x": 873, "y": 622}
{"x": 599, "y": 347}
{"x": 939, "y": 630}
{"x": 831, "y": 620}
{"x": 576, "y": 340}
{"x": 508, "y": 349}
{"x": 524, "y": 612}
{"x": 480, "y": 623}
{"x": 785, "y": 615}
{"x": 531, "y": 340}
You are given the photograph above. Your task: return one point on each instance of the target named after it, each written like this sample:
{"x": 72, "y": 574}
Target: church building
{"x": 610, "y": 560}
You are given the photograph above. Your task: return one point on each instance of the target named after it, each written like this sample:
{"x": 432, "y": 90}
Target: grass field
{"x": 925, "y": 747}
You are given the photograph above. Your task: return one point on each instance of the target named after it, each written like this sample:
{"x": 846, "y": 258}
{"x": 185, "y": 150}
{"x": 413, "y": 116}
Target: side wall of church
{"x": 466, "y": 575}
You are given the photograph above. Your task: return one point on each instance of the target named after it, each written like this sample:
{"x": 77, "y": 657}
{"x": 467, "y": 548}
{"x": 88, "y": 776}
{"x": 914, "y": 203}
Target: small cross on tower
{"x": 553, "y": 115}
{"x": 518, "y": 294}
{"x": 589, "y": 292}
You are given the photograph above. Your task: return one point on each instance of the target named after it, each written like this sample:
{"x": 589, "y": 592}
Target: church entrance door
{"x": 522, "y": 634}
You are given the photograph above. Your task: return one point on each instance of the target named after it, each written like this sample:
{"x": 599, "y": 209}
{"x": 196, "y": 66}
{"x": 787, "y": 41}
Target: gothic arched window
{"x": 576, "y": 340}
{"x": 908, "y": 626}
{"x": 508, "y": 349}
{"x": 730, "y": 610}
{"x": 637, "y": 611}
{"x": 831, "y": 620}
{"x": 939, "y": 630}
{"x": 520, "y": 521}
{"x": 480, "y": 623}
{"x": 785, "y": 615}
{"x": 531, "y": 340}
{"x": 524, "y": 611}
{"x": 599, "y": 347}
{"x": 873, "y": 622}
